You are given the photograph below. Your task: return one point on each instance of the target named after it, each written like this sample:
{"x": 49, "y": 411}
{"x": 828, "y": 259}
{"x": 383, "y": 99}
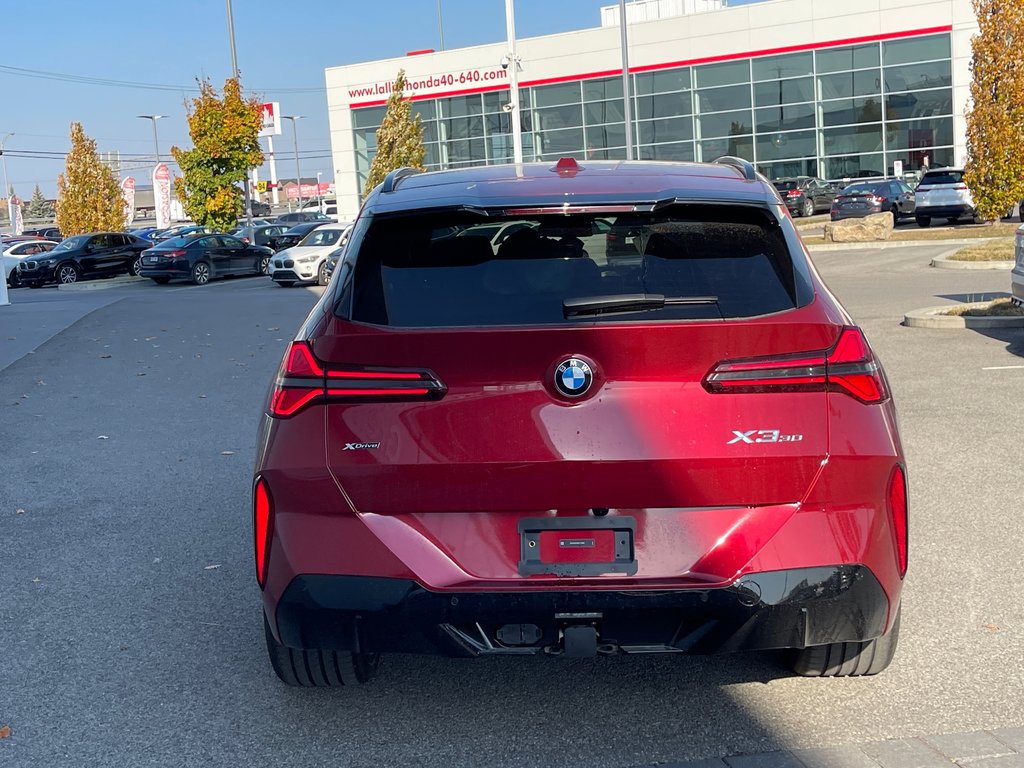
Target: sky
{"x": 52, "y": 52}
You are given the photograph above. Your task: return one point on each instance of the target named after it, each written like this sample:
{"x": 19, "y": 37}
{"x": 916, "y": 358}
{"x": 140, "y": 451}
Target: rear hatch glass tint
{"x": 458, "y": 268}
{"x": 942, "y": 177}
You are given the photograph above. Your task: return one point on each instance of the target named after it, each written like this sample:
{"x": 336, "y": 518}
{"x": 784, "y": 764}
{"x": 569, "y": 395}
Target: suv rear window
{"x": 443, "y": 269}
{"x": 942, "y": 177}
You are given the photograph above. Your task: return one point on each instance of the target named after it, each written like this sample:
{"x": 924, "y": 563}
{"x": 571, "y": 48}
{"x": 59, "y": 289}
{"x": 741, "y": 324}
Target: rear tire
{"x": 135, "y": 267}
{"x": 263, "y": 266}
{"x": 895, "y": 215}
{"x": 319, "y": 669}
{"x": 321, "y": 274}
{"x": 849, "y": 659}
{"x": 807, "y": 209}
{"x": 923, "y": 221}
{"x": 201, "y": 273}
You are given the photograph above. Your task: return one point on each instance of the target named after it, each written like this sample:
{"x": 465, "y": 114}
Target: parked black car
{"x": 260, "y": 209}
{"x": 103, "y": 254}
{"x": 866, "y": 197}
{"x": 261, "y": 235}
{"x": 297, "y": 217}
{"x": 48, "y": 233}
{"x": 805, "y": 195}
{"x": 200, "y": 258}
{"x": 294, "y": 235}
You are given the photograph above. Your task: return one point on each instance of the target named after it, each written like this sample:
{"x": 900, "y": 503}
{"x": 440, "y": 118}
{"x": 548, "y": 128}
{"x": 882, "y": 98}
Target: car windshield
{"x": 321, "y": 237}
{"x": 72, "y": 243}
{"x": 683, "y": 263}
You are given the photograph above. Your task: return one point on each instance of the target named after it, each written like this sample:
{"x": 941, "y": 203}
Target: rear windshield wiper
{"x": 629, "y": 302}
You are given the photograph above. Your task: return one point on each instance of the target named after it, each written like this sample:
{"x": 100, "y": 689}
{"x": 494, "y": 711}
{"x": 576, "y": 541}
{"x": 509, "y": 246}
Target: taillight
{"x": 898, "y": 510}
{"x": 176, "y": 254}
{"x": 876, "y": 200}
{"x": 793, "y": 193}
{"x": 303, "y": 380}
{"x": 848, "y": 367}
{"x": 262, "y": 526}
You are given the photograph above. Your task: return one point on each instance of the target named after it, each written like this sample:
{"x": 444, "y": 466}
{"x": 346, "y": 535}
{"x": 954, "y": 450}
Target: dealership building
{"x": 815, "y": 87}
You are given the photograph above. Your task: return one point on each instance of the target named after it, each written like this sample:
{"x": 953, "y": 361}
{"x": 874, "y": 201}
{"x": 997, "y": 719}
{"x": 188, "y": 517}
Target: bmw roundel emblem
{"x": 573, "y": 377}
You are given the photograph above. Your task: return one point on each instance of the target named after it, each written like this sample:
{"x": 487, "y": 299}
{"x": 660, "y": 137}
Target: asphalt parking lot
{"x": 130, "y": 630}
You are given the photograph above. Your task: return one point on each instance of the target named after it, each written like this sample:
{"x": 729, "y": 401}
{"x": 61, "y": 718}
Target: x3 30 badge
{"x": 763, "y": 436}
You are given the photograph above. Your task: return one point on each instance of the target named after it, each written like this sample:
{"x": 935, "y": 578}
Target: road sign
{"x": 271, "y": 119}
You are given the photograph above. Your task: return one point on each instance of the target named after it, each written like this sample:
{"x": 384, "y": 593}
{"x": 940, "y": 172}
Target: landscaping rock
{"x": 877, "y": 226}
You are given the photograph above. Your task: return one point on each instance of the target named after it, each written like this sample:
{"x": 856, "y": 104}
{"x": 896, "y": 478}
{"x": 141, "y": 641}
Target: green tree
{"x": 89, "y": 198}
{"x": 225, "y": 137}
{"x": 38, "y": 207}
{"x": 399, "y": 138}
{"x": 995, "y": 121}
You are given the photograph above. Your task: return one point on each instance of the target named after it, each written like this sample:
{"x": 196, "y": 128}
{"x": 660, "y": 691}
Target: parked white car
{"x": 942, "y": 194}
{"x": 328, "y": 207}
{"x": 307, "y": 261}
{"x": 14, "y": 252}
{"x": 1017, "y": 275}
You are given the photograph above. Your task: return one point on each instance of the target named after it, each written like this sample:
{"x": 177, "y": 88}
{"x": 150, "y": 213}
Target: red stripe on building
{"x": 676, "y": 64}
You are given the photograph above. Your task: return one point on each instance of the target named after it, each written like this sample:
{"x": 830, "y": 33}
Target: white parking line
{"x": 1003, "y": 368}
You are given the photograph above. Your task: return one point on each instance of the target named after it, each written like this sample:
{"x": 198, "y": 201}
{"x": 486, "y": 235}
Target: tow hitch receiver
{"x": 580, "y": 641}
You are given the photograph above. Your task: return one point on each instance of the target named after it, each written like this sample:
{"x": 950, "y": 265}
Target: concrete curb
{"x": 945, "y": 261}
{"x": 102, "y": 284}
{"x": 894, "y": 244}
{"x": 933, "y": 317}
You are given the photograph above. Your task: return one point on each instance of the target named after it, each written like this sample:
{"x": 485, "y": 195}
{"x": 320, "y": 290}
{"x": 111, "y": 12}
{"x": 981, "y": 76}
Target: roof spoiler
{"x": 745, "y": 168}
{"x": 392, "y": 179}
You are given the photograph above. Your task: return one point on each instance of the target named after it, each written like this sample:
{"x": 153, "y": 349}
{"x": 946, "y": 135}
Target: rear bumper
{"x": 860, "y": 213}
{"x": 778, "y": 609}
{"x": 944, "y": 211}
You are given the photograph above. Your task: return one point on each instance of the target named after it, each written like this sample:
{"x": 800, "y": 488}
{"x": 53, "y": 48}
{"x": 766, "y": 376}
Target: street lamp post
{"x": 298, "y": 173}
{"x": 4, "y": 298}
{"x": 156, "y": 142}
{"x": 237, "y": 76}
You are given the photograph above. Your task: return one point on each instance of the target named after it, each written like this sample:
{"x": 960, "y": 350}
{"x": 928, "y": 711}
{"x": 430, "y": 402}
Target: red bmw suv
{"x": 526, "y": 447}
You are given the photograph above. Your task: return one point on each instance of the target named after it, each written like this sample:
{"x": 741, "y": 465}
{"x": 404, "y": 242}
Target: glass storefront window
{"x": 660, "y": 131}
{"x": 779, "y": 146}
{"x": 847, "y": 84}
{"x": 917, "y": 77}
{"x": 784, "y": 92}
{"x": 599, "y": 90}
{"x": 461, "y": 106}
{"x": 847, "y": 57}
{"x": 724, "y": 124}
{"x": 664, "y": 81}
{"x": 368, "y": 117}
{"x": 556, "y": 144}
{"x": 914, "y": 134}
{"x": 848, "y": 111}
{"x": 915, "y": 49}
{"x": 854, "y": 167}
{"x": 569, "y": 116}
{"x": 787, "y": 65}
{"x": 726, "y": 73}
{"x": 600, "y": 112}
{"x": 464, "y": 128}
{"x": 901, "y": 106}
{"x": 464, "y": 151}
{"x": 737, "y": 146}
{"x": 663, "y": 105}
{"x": 784, "y": 118}
{"x": 788, "y": 168}
{"x": 719, "y": 99}
{"x": 678, "y": 152}
{"x": 920, "y": 159}
{"x": 852, "y": 138}
{"x": 603, "y": 136}
{"x": 555, "y": 95}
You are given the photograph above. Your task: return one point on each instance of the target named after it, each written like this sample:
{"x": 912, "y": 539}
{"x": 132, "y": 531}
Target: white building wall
{"x": 727, "y": 33}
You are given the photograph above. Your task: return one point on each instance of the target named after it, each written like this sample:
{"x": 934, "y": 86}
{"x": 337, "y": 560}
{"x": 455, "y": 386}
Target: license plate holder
{"x": 577, "y": 546}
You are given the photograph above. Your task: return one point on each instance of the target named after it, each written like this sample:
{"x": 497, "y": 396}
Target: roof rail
{"x": 392, "y": 179}
{"x": 745, "y": 168}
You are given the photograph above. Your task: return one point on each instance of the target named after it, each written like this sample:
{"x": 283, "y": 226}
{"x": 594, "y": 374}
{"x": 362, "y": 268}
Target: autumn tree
{"x": 88, "y": 196}
{"x": 224, "y": 129}
{"x": 399, "y": 138}
{"x": 995, "y": 120}
{"x": 38, "y": 207}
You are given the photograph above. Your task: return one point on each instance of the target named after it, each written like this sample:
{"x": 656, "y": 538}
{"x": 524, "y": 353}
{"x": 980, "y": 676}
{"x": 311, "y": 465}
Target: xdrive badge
{"x": 573, "y": 377}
